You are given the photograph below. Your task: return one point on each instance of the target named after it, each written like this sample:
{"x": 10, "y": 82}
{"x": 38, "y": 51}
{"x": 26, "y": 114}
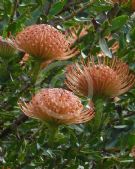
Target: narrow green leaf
{"x": 117, "y": 23}
{"x": 104, "y": 47}
{"x": 132, "y": 34}
{"x": 57, "y": 7}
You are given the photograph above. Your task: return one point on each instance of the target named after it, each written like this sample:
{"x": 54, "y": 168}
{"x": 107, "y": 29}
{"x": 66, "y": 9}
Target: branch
{"x": 47, "y": 7}
{"x": 79, "y": 10}
{"x": 21, "y": 119}
{"x": 59, "y": 20}
{"x": 125, "y": 116}
{"x": 68, "y": 6}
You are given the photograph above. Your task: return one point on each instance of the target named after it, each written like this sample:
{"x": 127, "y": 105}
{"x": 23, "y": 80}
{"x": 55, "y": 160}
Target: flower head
{"x": 59, "y": 105}
{"x": 6, "y": 47}
{"x": 107, "y": 78}
{"x": 46, "y": 42}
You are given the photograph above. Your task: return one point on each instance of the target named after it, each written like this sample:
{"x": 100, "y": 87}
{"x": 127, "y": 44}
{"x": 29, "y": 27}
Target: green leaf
{"x": 104, "y": 47}
{"x": 127, "y": 161}
{"x": 131, "y": 139}
{"x": 117, "y": 23}
{"x": 120, "y": 126}
{"x": 102, "y": 7}
{"x": 132, "y": 34}
{"x": 57, "y": 7}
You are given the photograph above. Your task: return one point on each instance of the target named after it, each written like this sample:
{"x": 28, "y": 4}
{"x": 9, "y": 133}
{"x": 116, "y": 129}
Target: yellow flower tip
{"x": 107, "y": 78}
{"x": 46, "y": 42}
{"x": 58, "y": 105}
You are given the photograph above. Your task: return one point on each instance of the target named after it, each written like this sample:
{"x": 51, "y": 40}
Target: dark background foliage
{"x": 24, "y": 142}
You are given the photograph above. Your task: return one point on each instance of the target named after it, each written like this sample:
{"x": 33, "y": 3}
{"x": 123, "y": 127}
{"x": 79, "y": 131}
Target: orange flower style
{"x": 76, "y": 32}
{"x": 46, "y": 42}
{"x": 58, "y": 105}
{"x": 25, "y": 58}
{"x": 107, "y": 78}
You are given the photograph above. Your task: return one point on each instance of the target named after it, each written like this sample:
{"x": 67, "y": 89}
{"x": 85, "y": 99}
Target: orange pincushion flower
{"x": 46, "y": 42}
{"x": 109, "y": 78}
{"x": 59, "y": 105}
{"x": 6, "y": 47}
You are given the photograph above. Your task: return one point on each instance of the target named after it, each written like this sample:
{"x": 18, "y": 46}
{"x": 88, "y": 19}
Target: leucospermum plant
{"x": 106, "y": 77}
{"x": 101, "y": 79}
{"x": 67, "y": 115}
{"x": 46, "y": 43}
{"x": 7, "y": 48}
{"x": 8, "y": 56}
{"x": 57, "y": 105}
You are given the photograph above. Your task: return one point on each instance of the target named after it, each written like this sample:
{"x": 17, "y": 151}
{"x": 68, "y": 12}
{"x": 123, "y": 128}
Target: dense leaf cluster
{"x": 24, "y": 142}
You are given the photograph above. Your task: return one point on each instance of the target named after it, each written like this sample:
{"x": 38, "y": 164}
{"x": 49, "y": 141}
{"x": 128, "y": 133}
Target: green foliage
{"x": 118, "y": 22}
{"x": 57, "y": 7}
{"x": 104, "y": 143}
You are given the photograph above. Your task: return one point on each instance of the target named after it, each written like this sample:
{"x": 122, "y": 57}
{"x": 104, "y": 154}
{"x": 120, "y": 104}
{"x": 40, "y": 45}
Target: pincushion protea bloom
{"x": 58, "y": 105}
{"x": 6, "y": 47}
{"x": 107, "y": 78}
{"x": 46, "y": 42}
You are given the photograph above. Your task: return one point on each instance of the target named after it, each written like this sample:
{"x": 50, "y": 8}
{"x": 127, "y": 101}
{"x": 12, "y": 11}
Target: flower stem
{"x": 35, "y": 69}
{"x": 99, "y": 106}
{"x": 53, "y": 129}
